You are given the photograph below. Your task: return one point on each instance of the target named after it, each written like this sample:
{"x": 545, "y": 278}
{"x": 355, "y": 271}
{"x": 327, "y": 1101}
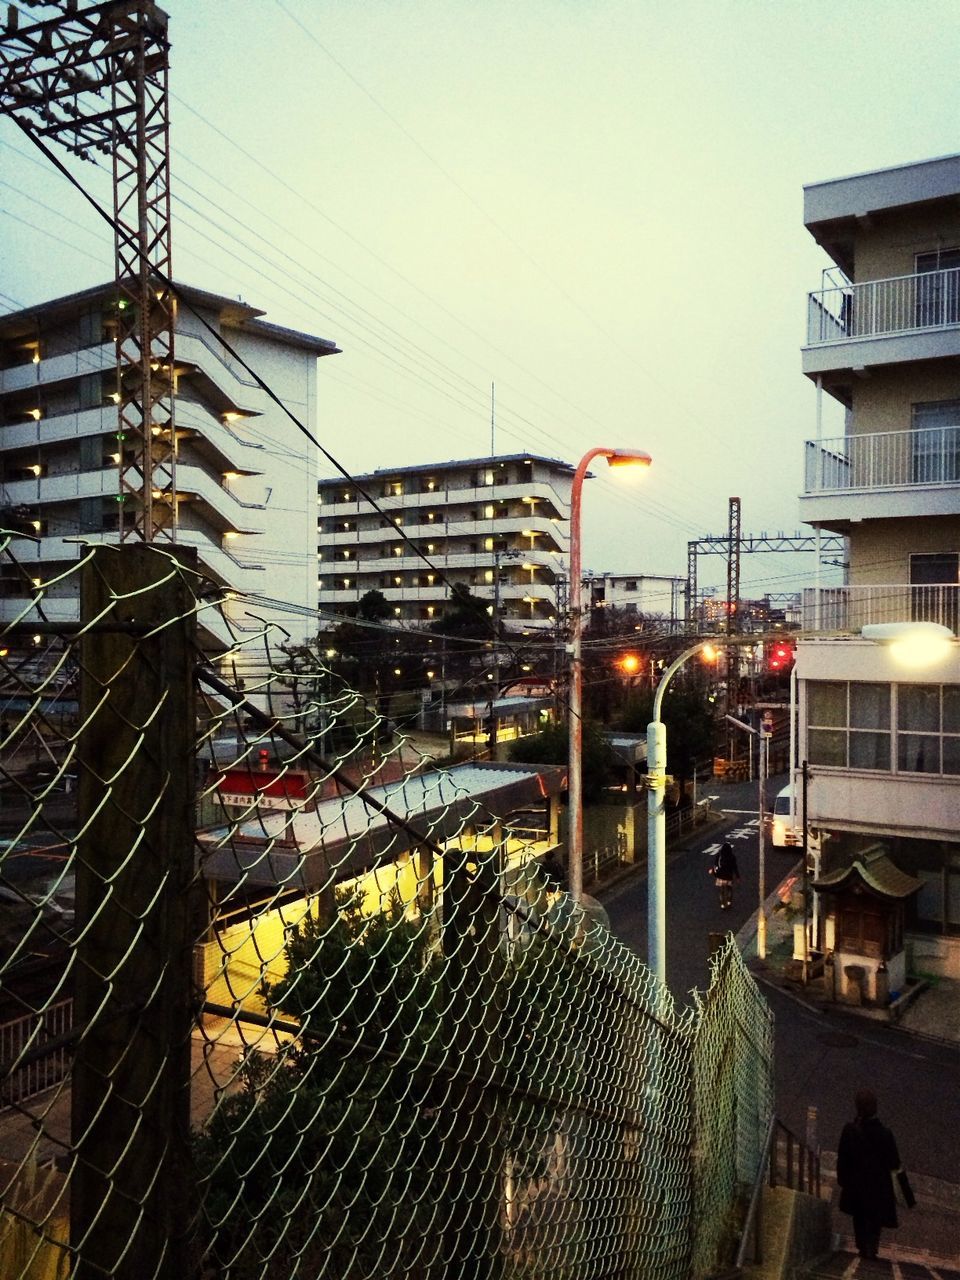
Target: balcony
{"x": 72, "y": 364}
{"x": 881, "y": 474}
{"x": 915, "y": 317}
{"x": 848, "y": 609}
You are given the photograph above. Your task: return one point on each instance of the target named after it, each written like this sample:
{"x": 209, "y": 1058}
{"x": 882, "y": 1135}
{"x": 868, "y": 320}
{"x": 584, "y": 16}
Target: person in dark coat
{"x": 725, "y": 871}
{"x": 866, "y": 1157}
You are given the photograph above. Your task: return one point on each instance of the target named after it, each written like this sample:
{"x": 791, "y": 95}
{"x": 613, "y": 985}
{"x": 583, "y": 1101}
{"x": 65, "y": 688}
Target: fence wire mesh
{"x": 280, "y": 998}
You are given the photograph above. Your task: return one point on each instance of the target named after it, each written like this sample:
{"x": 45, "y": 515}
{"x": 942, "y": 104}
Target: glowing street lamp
{"x": 912, "y": 644}
{"x": 615, "y": 458}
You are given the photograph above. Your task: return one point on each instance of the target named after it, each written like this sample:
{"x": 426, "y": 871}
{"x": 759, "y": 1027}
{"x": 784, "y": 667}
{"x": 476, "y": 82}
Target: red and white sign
{"x": 267, "y": 789}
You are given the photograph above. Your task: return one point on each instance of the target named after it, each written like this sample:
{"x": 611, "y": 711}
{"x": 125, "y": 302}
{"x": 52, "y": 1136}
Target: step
{"x": 846, "y": 1265}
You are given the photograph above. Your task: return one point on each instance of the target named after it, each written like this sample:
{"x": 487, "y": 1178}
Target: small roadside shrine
{"x": 864, "y": 907}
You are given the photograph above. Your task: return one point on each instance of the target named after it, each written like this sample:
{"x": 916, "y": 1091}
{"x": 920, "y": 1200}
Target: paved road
{"x": 693, "y": 905}
{"x": 821, "y": 1058}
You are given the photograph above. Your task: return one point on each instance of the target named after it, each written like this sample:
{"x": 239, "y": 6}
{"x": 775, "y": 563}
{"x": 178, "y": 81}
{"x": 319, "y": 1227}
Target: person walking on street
{"x": 866, "y": 1158}
{"x": 725, "y": 871}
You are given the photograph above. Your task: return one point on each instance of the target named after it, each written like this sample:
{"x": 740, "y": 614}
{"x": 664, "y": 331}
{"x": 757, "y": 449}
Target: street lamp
{"x": 913, "y": 644}
{"x": 615, "y": 458}
{"x": 656, "y": 817}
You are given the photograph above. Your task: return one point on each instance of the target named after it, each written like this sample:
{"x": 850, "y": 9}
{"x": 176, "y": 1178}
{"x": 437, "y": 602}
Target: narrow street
{"x": 822, "y": 1058}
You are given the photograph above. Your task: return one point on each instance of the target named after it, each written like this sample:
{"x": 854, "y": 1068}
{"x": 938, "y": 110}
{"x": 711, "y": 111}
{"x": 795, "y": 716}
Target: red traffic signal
{"x": 780, "y": 656}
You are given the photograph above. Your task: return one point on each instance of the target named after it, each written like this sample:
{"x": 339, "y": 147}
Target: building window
{"x": 938, "y": 287}
{"x": 848, "y": 725}
{"x": 935, "y": 587}
{"x": 936, "y": 442}
{"x": 630, "y": 584}
{"x": 928, "y": 728}
{"x": 489, "y": 511}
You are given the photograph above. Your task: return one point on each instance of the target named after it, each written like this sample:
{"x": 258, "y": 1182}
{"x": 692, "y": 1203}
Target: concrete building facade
{"x": 497, "y": 525}
{"x": 882, "y": 739}
{"x": 245, "y": 475}
{"x": 647, "y": 594}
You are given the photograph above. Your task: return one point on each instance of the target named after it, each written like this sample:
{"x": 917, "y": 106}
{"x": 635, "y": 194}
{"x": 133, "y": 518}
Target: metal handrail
{"x": 802, "y": 1173}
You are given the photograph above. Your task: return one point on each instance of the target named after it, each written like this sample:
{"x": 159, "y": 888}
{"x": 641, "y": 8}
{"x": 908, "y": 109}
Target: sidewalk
{"x": 934, "y": 1012}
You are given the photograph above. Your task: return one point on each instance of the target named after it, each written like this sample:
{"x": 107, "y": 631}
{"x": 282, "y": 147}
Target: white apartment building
{"x": 883, "y": 739}
{"x": 649, "y": 594}
{"x": 245, "y": 475}
{"x": 498, "y": 525}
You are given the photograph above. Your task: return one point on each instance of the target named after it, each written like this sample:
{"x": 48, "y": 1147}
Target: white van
{"x": 783, "y": 835}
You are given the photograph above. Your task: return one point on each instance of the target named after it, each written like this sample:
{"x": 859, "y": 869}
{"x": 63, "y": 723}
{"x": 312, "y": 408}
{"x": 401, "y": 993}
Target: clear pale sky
{"x": 595, "y": 205}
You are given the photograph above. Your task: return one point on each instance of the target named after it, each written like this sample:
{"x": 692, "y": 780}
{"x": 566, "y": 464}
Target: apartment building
{"x": 498, "y": 525}
{"x": 245, "y": 475}
{"x": 648, "y": 594}
{"x": 882, "y": 738}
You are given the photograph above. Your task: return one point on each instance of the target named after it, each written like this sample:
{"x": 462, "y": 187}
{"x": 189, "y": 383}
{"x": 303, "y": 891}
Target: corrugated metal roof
{"x": 297, "y": 847}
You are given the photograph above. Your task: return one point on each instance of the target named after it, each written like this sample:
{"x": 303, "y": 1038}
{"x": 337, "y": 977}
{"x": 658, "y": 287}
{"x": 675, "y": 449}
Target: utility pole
{"x": 733, "y": 603}
{"x": 96, "y": 80}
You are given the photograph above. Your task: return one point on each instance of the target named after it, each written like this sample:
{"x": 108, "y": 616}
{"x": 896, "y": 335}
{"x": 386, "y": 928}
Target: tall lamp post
{"x": 615, "y": 458}
{"x": 656, "y": 817}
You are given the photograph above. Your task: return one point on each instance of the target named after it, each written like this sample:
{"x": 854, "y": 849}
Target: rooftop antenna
{"x": 493, "y": 418}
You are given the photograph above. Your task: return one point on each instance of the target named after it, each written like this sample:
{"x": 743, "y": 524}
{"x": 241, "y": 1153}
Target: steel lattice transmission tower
{"x": 96, "y": 80}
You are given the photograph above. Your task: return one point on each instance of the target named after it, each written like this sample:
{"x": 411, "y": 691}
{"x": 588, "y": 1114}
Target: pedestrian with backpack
{"x": 725, "y": 872}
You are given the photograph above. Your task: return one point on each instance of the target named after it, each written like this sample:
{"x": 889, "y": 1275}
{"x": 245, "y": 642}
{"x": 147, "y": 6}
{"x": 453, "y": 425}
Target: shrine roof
{"x": 875, "y": 870}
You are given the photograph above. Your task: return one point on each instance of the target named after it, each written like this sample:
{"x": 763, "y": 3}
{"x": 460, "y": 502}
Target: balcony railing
{"x": 926, "y": 300}
{"x": 883, "y": 459}
{"x": 850, "y": 608}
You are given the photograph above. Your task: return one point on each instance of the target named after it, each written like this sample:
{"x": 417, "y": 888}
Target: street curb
{"x": 747, "y": 933}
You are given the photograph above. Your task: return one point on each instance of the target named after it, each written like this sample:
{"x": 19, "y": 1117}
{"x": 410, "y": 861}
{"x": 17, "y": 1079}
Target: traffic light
{"x": 780, "y": 655}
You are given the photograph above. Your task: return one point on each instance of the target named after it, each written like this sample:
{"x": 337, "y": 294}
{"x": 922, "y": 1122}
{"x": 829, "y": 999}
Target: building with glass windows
{"x": 244, "y": 484}
{"x": 879, "y": 729}
{"x": 499, "y": 526}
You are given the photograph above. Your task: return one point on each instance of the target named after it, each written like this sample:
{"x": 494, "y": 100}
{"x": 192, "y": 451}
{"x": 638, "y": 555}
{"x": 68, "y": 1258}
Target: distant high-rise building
{"x": 499, "y": 526}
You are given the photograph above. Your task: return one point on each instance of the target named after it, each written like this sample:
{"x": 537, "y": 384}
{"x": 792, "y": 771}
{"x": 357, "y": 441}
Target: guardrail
{"x": 883, "y": 460}
{"x": 787, "y": 1161}
{"x": 924, "y": 300}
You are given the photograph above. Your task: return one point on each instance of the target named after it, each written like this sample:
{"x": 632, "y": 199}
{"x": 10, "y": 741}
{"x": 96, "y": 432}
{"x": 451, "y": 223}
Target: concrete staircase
{"x": 926, "y": 1246}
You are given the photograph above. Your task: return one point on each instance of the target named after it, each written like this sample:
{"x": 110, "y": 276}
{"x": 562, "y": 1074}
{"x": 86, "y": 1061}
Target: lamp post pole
{"x": 615, "y": 457}
{"x": 762, "y": 735}
{"x": 657, "y": 822}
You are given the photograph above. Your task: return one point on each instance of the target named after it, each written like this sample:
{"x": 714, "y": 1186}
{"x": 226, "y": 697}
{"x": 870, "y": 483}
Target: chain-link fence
{"x": 279, "y": 999}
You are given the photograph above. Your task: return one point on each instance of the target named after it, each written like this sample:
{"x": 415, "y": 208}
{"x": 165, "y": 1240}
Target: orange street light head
{"x": 630, "y": 663}
{"x": 709, "y": 653}
{"x": 628, "y": 458}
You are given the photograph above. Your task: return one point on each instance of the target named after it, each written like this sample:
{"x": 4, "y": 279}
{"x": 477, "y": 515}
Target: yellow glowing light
{"x": 431, "y": 674}
{"x": 35, "y": 469}
{"x": 35, "y": 414}
{"x": 230, "y": 416}
{"x": 709, "y": 653}
{"x": 630, "y": 663}
{"x": 628, "y": 458}
{"x": 912, "y": 644}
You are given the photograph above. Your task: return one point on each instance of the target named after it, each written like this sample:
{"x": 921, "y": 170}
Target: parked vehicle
{"x": 783, "y": 835}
